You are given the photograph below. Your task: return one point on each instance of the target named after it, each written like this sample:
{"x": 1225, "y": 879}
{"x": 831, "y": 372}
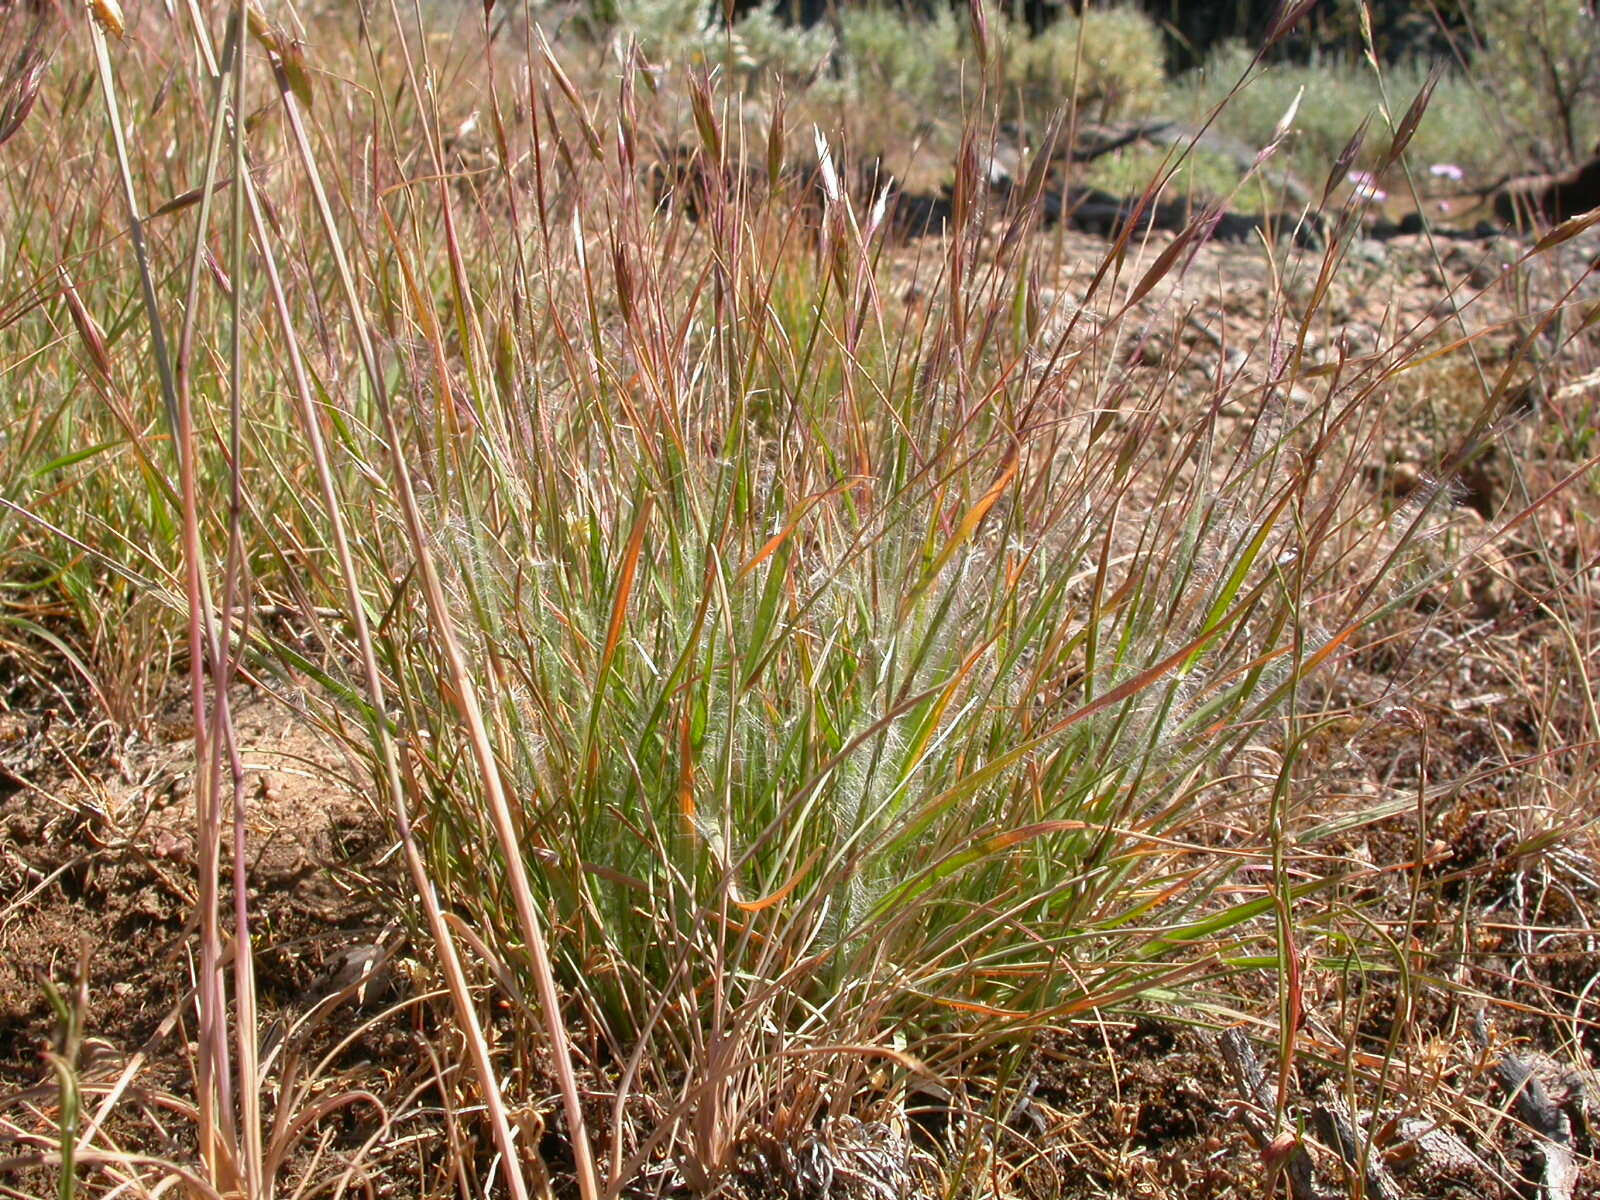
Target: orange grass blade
{"x": 686, "y": 804}
{"x": 784, "y": 534}
{"x": 765, "y": 902}
{"x": 630, "y": 567}
{"x": 970, "y": 522}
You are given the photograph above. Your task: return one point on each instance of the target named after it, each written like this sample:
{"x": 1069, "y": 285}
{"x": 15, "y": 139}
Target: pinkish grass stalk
{"x": 465, "y": 695}
{"x": 214, "y": 1079}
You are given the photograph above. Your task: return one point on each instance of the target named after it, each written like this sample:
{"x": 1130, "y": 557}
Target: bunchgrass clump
{"x": 796, "y": 665}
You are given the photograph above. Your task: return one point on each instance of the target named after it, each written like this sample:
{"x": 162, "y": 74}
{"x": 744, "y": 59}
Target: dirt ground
{"x": 1498, "y": 914}
{"x": 97, "y": 847}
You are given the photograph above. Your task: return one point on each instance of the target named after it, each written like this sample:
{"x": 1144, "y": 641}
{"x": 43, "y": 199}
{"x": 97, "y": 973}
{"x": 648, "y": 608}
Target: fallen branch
{"x": 1339, "y": 1131}
{"x": 1542, "y": 1113}
{"x": 1252, "y": 1081}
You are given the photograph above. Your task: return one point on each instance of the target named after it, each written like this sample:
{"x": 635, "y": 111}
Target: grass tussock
{"x": 797, "y": 665}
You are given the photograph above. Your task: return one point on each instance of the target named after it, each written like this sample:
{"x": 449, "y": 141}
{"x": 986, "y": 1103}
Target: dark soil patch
{"x": 97, "y": 859}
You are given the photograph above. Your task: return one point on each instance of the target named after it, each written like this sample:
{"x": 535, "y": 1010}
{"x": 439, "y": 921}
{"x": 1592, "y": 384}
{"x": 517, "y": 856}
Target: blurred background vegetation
{"x": 1516, "y": 88}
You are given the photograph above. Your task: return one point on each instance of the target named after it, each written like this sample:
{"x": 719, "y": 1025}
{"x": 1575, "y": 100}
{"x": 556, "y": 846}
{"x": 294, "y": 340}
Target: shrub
{"x": 1540, "y": 59}
{"x": 1106, "y": 59}
{"x": 916, "y": 60}
{"x": 663, "y": 27}
{"x": 761, "y": 46}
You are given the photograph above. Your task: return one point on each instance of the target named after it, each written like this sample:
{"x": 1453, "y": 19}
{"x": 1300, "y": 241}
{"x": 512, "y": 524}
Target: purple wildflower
{"x": 1366, "y": 186}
